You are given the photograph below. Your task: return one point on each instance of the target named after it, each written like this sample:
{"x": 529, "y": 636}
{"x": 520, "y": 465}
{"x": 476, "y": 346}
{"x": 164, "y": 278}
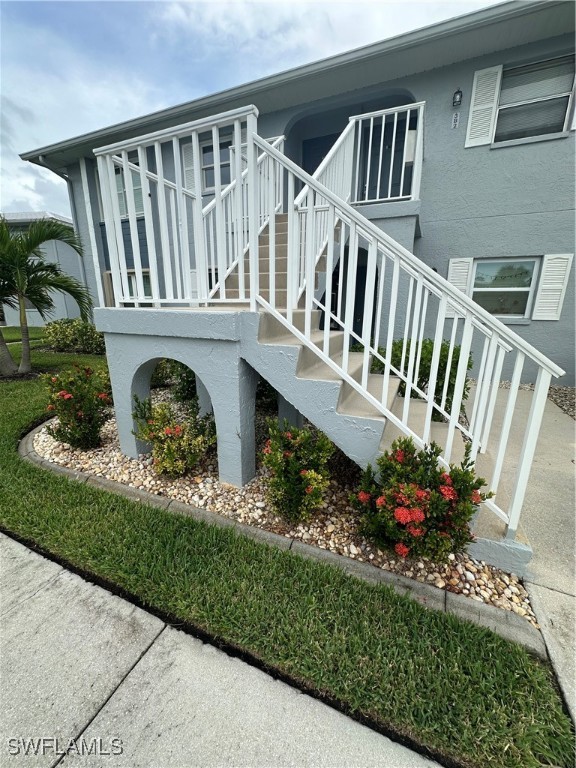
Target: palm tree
{"x": 26, "y": 276}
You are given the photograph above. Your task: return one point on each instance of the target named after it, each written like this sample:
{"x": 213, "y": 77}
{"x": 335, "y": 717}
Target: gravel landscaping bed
{"x": 334, "y": 527}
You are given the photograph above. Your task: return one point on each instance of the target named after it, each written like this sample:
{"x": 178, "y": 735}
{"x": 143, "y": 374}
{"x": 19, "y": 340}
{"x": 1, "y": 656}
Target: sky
{"x": 72, "y": 66}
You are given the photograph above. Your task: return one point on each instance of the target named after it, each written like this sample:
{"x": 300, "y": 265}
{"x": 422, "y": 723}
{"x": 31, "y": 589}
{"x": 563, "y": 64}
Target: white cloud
{"x": 262, "y": 37}
{"x": 62, "y": 80}
{"x": 45, "y": 101}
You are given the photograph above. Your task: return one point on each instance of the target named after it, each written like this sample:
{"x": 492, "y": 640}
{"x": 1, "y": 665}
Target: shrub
{"x": 425, "y": 368}
{"x": 183, "y": 382}
{"x": 296, "y": 460}
{"x": 416, "y": 507}
{"x": 178, "y": 444}
{"x": 181, "y": 379}
{"x": 80, "y": 398}
{"x": 74, "y": 336}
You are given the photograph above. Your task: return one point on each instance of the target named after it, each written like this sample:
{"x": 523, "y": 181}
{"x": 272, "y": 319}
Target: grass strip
{"x": 450, "y": 686}
{"x": 13, "y": 333}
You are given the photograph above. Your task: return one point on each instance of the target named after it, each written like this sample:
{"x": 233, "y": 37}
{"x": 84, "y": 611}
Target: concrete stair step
{"x": 271, "y": 328}
{"x": 320, "y": 371}
{"x": 280, "y": 295}
{"x": 280, "y": 279}
{"x": 354, "y": 403}
{"x": 336, "y": 342}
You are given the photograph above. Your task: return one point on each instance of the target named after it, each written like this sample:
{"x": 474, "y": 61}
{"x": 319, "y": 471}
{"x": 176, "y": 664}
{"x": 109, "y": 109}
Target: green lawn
{"x": 453, "y": 687}
{"x": 12, "y": 333}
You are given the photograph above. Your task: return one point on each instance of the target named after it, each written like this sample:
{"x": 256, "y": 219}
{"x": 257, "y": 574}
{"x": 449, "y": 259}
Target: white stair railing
{"x": 228, "y": 211}
{"x": 165, "y": 245}
{"x": 389, "y": 152}
{"x": 403, "y": 299}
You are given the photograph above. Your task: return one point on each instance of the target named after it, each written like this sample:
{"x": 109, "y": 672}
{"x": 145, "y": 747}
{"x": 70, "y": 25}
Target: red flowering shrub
{"x": 297, "y": 474}
{"x": 177, "y": 444}
{"x": 81, "y": 400}
{"x": 416, "y": 507}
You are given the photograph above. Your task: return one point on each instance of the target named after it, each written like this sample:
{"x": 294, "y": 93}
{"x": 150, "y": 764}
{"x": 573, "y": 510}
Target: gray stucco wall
{"x": 478, "y": 202}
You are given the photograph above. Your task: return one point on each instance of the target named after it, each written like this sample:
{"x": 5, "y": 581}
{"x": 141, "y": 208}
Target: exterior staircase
{"x": 286, "y": 247}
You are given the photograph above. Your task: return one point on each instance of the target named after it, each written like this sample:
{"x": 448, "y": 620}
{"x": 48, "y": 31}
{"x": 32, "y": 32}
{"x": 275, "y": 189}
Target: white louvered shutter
{"x": 459, "y": 274}
{"x": 483, "y": 106}
{"x": 121, "y": 192}
{"x": 138, "y": 199}
{"x": 188, "y": 166}
{"x": 552, "y": 288}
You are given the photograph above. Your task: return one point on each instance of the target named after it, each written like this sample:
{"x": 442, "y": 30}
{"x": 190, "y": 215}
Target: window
{"x": 132, "y": 287}
{"x": 505, "y": 287}
{"x": 511, "y": 103}
{"x": 207, "y": 164}
{"x": 515, "y": 289}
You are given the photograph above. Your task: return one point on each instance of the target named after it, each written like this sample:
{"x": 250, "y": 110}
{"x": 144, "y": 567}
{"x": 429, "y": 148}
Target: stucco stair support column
{"x": 234, "y": 403}
{"x": 128, "y": 380}
{"x": 208, "y": 342}
{"x": 286, "y": 411}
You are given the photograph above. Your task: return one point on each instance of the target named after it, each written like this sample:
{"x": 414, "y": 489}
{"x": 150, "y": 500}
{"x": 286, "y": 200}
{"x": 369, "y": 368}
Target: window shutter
{"x": 138, "y": 199}
{"x": 121, "y": 192}
{"x": 188, "y": 163}
{"x": 483, "y": 106}
{"x": 552, "y": 288}
{"x": 459, "y": 274}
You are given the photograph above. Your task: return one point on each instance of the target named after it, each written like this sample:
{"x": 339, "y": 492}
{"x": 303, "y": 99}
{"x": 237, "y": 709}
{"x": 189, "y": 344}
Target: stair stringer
{"x": 317, "y": 400}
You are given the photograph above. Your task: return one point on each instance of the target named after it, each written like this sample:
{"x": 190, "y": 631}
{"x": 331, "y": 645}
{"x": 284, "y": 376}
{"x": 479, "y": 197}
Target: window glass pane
{"x": 147, "y": 284}
{"x": 207, "y": 155}
{"x": 535, "y": 119}
{"x": 537, "y": 81}
{"x": 208, "y": 178}
{"x": 225, "y": 174}
{"x": 502, "y": 302}
{"x": 225, "y": 151}
{"x": 503, "y": 274}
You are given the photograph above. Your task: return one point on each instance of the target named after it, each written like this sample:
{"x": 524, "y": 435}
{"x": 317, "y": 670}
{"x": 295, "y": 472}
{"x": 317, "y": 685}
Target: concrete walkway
{"x": 79, "y": 663}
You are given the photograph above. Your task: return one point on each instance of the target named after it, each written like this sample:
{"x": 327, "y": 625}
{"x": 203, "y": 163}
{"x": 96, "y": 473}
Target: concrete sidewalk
{"x": 79, "y": 663}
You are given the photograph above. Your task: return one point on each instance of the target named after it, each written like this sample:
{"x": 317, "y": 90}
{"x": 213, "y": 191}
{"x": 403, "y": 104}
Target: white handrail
{"x": 204, "y": 123}
{"x": 458, "y": 299}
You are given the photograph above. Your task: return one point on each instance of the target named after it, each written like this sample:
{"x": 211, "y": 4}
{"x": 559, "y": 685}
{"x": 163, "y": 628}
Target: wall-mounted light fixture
{"x": 457, "y": 98}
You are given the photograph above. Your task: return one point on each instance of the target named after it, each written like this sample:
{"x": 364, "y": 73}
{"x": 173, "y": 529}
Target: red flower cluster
{"x": 399, "y": 456}
{"x": 403, "y": 515}
{"x": 401, "y": 549}
{"x": 363, "y": 497}
{"x": 176, "y": 431}
{"x": 448, "y": 492}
